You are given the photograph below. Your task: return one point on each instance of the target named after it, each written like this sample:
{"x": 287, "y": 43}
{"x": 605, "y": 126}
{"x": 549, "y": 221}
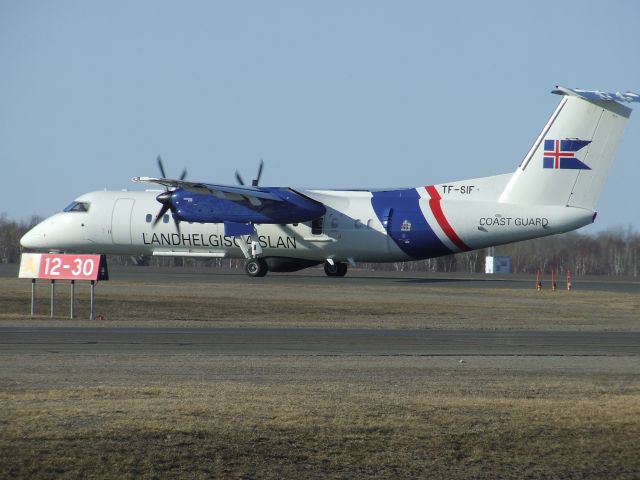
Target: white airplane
{"x": 555, "y": 189}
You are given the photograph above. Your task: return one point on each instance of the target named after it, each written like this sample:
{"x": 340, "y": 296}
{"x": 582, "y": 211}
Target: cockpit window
{"x": 77, "y": 207}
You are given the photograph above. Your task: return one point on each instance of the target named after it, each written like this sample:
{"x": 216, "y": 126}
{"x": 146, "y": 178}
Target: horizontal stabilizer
{"x": 597, "y": 95}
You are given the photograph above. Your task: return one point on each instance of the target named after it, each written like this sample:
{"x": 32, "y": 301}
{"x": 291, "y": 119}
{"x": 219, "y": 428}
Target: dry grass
{"x": 326, "y": 430}
{"x": 339, "y": 304}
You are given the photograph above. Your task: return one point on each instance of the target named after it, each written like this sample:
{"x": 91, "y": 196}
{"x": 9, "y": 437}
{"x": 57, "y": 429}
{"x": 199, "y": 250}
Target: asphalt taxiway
{"x": 315, "y": 342}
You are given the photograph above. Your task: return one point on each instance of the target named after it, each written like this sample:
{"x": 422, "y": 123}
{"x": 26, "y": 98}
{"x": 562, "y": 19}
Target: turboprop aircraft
{"x": 553, "y": 190}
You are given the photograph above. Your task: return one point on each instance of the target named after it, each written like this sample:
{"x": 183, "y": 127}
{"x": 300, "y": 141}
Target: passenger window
{"x": 316, "y": 226}
{"x": 149, "y": 217}
{"x": 165, "y": 219}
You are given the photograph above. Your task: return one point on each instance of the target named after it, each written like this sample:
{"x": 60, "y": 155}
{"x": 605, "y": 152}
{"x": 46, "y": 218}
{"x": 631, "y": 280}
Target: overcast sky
{"x": 330, "y": 94}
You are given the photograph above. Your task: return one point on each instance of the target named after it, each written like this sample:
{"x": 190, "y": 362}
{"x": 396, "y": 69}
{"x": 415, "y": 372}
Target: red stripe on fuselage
{"x": 436, "y": 209}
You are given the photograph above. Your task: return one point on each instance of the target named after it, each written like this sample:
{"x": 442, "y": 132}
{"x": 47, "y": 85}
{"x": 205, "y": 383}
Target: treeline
{"x": 613, "y": 252}
{"x": 10, "y": 234}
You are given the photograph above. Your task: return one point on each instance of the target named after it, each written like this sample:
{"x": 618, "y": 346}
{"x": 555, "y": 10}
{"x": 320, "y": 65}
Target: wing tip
{"x": 144, "y": 179}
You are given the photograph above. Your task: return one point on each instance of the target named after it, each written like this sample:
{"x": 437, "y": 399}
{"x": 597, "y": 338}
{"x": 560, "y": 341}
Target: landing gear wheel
{"x": 338, "y": 269}
{"x": 256, "y": 267}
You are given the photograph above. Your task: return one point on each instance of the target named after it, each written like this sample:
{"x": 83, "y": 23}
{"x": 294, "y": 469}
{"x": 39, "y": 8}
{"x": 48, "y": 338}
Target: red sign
{"x": 58, "y": 266}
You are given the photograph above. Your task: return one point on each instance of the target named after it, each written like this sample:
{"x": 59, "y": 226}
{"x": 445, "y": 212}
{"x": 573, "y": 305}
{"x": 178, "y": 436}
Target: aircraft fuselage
{"x": 394, "y": 225}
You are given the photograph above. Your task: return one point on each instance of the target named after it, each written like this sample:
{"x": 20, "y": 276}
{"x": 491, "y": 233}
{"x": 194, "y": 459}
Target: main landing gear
{"x": 337, "y": 269}
{"x": 256, "y": 267}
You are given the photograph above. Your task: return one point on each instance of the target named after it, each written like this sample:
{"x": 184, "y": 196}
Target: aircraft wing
{"x": 229, "y": 192}
{"x": 211, "y": 203}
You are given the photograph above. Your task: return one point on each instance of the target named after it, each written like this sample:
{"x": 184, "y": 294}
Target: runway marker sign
{"x": 58, "y": 266}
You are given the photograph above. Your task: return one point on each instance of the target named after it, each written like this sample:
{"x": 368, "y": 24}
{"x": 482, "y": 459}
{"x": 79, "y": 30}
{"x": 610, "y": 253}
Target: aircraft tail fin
{"x": 569, "y": 161}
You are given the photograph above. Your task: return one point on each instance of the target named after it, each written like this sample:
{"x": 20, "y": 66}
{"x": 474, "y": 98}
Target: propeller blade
{"x": 176, "y": 222}
{"x": 163, "y": 210}
{"x": 165, "y": 198}
{"x": 239, "y": 178}
{"x": 161, "y": 166}
{"x": 257, "y": 179}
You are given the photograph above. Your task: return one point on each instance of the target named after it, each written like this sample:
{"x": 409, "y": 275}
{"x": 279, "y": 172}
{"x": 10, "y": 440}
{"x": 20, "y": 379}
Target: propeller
{"x": 256, "y": 181}
{"x": 183, "y": 175}
{"x": 165, "y": 198}
{"x": 161, "y": 167}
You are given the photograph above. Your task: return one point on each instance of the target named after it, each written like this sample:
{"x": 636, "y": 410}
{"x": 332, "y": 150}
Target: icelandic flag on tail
{"x": 561, "y": 154}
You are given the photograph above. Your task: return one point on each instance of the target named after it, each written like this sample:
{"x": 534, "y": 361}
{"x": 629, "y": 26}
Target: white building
{"x": 498, "y": 264}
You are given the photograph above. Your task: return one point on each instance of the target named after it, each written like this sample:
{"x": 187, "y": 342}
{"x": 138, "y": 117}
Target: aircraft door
{"x": 121, "y": 221}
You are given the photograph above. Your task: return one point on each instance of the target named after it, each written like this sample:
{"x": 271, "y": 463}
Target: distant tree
{"x": 10, "y": 234}
{"x": 614, "y": 252}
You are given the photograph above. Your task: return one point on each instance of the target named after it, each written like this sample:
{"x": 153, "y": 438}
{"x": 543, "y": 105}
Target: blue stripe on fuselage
{"x": 416, "y": 238}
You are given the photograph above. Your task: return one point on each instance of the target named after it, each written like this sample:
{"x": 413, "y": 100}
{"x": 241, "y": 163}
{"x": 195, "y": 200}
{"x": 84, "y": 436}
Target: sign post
{"x": 92, "y": 300}
{"x": 72, "y": 299}
{"x": 59, "y": 266}
{"x": 53, "y": 298}
{"x": 33, "y": 296}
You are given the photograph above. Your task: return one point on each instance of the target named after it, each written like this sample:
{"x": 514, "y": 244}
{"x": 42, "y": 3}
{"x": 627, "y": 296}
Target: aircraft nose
{"x": 33, "y": 239}
{"x": 40, "y": 236}
{"x": 60, "y": 232}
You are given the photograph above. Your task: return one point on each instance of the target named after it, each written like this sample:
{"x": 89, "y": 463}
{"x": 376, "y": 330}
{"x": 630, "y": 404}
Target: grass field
{"x": 223, "y": 416}
{"x": 327, "y": 430}
{"x": 233, "y": 300}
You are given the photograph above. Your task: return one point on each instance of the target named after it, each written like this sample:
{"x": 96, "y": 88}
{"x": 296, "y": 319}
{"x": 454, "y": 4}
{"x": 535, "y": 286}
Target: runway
{"x": 315, "y": 342}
